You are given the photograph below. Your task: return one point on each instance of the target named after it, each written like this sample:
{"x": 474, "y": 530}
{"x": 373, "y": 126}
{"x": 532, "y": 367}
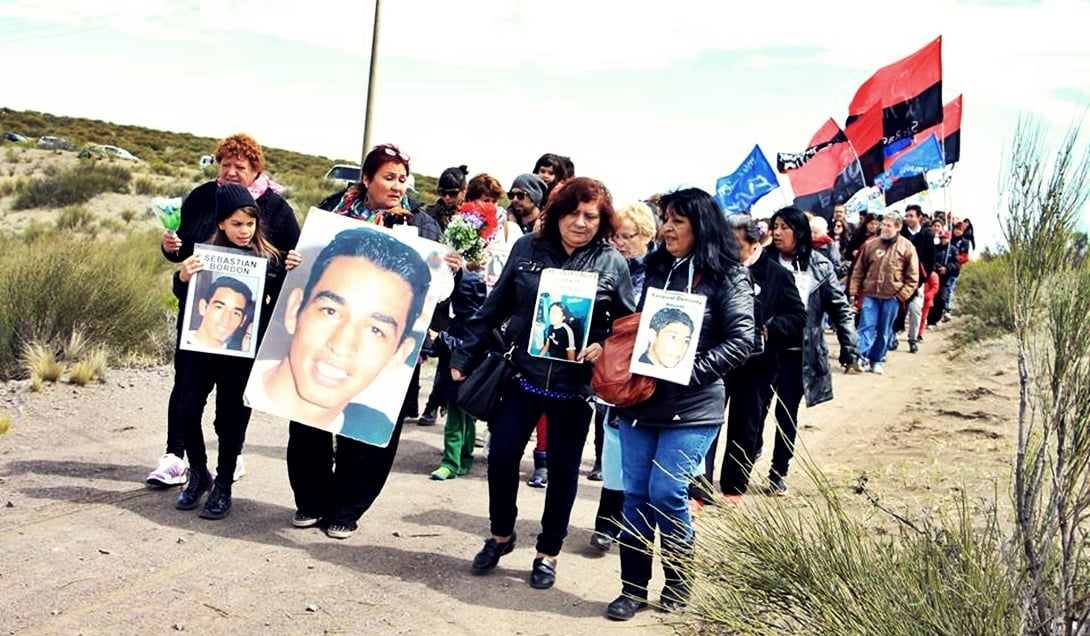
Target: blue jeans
{"x": 876, "y": 326}
{"x": 657, "y": 465}
{"x": 950, "y": 282}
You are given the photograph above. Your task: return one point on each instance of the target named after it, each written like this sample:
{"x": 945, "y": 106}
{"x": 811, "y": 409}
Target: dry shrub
{"x": 40, "y": 362}
{"x": 5, "y": 422}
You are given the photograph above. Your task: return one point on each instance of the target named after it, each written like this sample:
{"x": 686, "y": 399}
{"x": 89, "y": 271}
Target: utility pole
{"x": 370, "y": 88}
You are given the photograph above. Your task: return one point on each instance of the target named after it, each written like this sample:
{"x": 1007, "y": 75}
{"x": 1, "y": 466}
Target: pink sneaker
{"x": 171, "y": 471}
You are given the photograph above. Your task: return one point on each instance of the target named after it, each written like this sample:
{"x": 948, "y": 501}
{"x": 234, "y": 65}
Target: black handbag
{"x": 481, "y": 393}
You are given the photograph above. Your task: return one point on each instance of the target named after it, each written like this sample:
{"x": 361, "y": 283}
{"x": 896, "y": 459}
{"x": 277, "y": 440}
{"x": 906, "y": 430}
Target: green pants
{"x": 459, "y": 438}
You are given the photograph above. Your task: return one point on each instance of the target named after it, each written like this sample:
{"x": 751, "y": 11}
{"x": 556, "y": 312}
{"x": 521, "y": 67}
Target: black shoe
{"x": 777, "y": 486}
{"x": 199, "y": 483}
{"x": 602, "y": 541}
{"x": 595, "y": 473}
{"x": 893, "y": 345}
{"x": 913, "y": 347}
{"x": 218, "y": 504}
{"x": 489, "y": 556}
{"x": 303, "y": 520}
{"x": 543, "y": 576}
{"x": 339, "y": 530}
{"x": 427, "y": 419}
{"x": 539, "y": 479}
{"x": 671, "y": 602}
{"x": 624, "y": 608}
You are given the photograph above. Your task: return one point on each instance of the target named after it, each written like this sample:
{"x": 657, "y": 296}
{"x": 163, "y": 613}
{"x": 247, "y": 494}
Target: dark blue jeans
{"x": 569, "y": 422}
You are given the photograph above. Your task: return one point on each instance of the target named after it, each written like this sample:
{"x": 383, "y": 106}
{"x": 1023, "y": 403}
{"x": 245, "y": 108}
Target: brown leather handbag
{"x": 612, "y": 381}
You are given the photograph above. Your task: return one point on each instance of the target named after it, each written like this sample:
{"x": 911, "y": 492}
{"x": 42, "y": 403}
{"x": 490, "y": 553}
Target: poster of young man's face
{"x": 223, "y": 303}
{"x": 668, "y": 334}
{"x": 347, "y": 329}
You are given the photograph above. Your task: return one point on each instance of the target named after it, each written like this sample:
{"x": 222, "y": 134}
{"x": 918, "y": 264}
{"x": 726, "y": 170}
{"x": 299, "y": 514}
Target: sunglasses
{"x": 517, "y": 195}
{"x": 393, "y": 151}
{"x": 449, "y": 193}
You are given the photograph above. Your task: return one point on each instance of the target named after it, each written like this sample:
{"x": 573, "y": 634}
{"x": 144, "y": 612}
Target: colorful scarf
{"x": 355, "y": 206}
{"x": 262, "y": 183}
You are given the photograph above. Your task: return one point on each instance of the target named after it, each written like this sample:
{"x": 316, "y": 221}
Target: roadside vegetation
{"x": 1016, "y": 563}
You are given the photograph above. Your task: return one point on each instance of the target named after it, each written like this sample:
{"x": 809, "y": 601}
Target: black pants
{"x": 789, "y": 391}
{"x": 336, "y": 486}
{"x": 196, "y": 374}
{"x": 749, "y": 394}
{"x": 175, "y": 432}
{"x": 569, "y": 421}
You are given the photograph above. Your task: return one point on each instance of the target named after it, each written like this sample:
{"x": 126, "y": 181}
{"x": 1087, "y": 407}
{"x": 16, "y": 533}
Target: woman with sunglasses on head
{"x": 334, "y": 490}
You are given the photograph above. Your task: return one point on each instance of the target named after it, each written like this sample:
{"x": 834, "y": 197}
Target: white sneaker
{"x": 878, "y": 368}
{"x": 240, "y": 470}
{"x": 171, "y": 471}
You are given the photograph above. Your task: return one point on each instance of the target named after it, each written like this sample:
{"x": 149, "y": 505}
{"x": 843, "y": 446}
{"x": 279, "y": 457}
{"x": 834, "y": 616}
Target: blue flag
{"x": 739, "y": 190}
{"x": 925, "y": 156}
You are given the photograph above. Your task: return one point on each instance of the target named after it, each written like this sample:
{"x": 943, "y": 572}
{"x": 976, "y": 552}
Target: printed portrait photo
{"x": 348, "y": 326}
{"x": 223, "y": 303}
{"x": 561, "y": 324}
{"x": 668, "y": 334}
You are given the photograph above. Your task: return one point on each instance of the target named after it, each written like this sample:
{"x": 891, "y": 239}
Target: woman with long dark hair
{"x": 664, "y": 439}
{"x": 804, "y": 363}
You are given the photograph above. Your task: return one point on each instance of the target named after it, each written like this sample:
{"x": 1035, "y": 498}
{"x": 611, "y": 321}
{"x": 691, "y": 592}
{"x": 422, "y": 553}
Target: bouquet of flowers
{"x": 471, "y": 228}
{"x": 168, "y": 211}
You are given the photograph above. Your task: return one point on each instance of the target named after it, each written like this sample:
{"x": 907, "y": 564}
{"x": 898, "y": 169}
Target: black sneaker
{"x": 893, "y": 345}
{"x": 539, "y": 479}
{"x": 338, "y": 530}
{"x": 624, "y": 608}
{"x": 777, "y": 486}
{"x": 218, "y": 504}
{"x": 199, "y": 483}
{"x": 595, "y": 473}
{"x": 489, "y": 556}
{"x": 601, "y": 541}
{"x": 913, "y": 347}
{"x": 303, "y": 520}
{"x": 543, "y": 576}
{"x": 427, "y": 419}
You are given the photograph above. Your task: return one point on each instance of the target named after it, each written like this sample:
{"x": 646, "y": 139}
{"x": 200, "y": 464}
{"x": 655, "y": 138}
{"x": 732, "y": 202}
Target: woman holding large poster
{"x": 664, "y": 439}
{"x": 333, "y": 490}
{"x": 578, "y": 220}
{"x": 241, "y": 162}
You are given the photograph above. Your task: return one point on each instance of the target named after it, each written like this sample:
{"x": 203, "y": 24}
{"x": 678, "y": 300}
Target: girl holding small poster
{"x": 578, "y": 220}
{"x": 664, "y": 439}
{"x": 238, "y": 225}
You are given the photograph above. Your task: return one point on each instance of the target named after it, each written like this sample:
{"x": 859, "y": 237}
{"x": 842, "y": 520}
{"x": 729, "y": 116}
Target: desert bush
{"x": 984, "y": 296}
{"x": 127, "y": 215}
{"x": 5, "y": 422}
{"x": 811, "y": 568}
{"x": 73, "y": 186}
{"x": 77, "y": 219}
{"x": 91, "y": 367}
{"x": 40, "y": 362}
{"x": 114, "y": 291}
{"x": 162, "y": 168}
{"x": 145, "y": 186}
{"x": 11, "y": 187}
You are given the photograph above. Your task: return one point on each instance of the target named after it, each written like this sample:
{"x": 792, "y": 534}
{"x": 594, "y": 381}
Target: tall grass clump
{"x": 73, "y": 186}
{"x": 5, "y": 422}
{"x": 40, "y": 362}
{"x": 112, "y": 291}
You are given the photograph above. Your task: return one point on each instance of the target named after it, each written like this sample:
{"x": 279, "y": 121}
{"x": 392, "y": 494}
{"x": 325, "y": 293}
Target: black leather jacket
{"x": 726, "y": 338}
{"x": 511, "y": 305}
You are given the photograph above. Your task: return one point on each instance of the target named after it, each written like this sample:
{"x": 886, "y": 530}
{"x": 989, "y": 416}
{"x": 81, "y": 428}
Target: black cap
{"x": 453, "y": 178}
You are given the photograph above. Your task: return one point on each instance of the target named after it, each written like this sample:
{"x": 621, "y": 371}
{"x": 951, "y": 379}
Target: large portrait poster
{"x": 667, "y": 336}
{"x": 224, "y": 301}
{"x": 562, "y": 319}
{"x": 347, "y": 329}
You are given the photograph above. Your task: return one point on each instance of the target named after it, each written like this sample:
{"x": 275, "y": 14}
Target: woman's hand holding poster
{"x": 223, "y": 303}
{"x": 562, "y": 320}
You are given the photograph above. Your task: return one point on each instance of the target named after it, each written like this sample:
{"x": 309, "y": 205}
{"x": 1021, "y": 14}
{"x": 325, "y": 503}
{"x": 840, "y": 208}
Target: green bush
{"x": 983, "y": 298}
{"x": 112, "y": 291}
{"x": 77, "y": 219}
{"x": 73, "y": 186}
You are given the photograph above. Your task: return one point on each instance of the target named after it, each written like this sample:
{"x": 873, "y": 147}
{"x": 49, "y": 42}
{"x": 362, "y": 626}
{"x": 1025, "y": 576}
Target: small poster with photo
{"x": 494, "y": 264}
{"x": 565, "y": 300}
{"x": 224, "y": 301}
{"x": 347, "y": 329}
{"x": 668, "y": 334}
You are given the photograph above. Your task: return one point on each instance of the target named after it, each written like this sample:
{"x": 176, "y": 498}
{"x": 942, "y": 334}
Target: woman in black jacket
{"x": 664, "y": 440}
{"x": 241, "y": 162}
{"x": 781, "y": 316}
{"x": 578, "y": 220}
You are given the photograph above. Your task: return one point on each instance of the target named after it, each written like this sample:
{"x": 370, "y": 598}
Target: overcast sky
{"x": 644, "y": 95}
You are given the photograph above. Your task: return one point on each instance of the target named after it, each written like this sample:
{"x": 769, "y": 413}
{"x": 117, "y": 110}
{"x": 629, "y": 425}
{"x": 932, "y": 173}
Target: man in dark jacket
{"x": 948, "y": 267}
{"x": 920, "y": 235}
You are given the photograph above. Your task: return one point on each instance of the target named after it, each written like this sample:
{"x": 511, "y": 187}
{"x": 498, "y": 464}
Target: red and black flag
{"x": 827, "y": 174}
{"x": 909, "y": 92}
{"x": 865, "y": 134}
{"x": 950, "y": 132}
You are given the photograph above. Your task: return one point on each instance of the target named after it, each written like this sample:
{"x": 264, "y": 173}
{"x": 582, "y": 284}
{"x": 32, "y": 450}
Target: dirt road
{"x": 88, "y": 549}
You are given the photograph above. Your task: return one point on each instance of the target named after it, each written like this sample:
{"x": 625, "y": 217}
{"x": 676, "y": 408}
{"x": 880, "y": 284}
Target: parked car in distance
{"x": 343, "y": 174}
{"x": 107, "y": 152}
{"x": 49, "y": 142}
{"x": 206, "y": 160}
{"x": 15, "y": 138}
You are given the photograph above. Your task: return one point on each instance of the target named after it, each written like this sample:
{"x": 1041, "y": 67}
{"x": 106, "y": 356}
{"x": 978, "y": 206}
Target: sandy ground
{"x": 88, "y": 549}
